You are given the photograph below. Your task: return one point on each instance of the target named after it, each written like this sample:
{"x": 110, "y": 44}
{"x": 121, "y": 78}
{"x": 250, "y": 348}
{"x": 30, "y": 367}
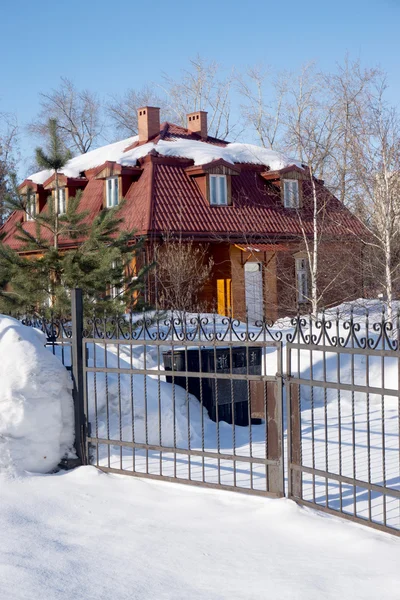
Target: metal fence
{"x": 343, "y": 418}
{"x": 194, "y": 400}
{"x": 211, "y": 401}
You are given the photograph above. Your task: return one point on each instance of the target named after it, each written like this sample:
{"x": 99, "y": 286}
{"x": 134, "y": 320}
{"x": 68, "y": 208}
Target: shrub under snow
{"x": 36, "y": 409}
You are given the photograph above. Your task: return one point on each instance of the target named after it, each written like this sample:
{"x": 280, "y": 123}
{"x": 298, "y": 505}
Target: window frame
{"x": 290, "y": 200}
{"x": 63, "y": 191}
{"x": 216, "y": 176}
{"x": 31, "y": 202}
{"x": 302, "y": 280}
{"x": 115, "y": 290}
{"x": 114, "y": 193}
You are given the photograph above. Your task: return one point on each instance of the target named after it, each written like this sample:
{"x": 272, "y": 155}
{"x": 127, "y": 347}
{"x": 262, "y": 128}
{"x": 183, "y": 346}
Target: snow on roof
{"x": 200, "y": 152}
{"x": 87, "y": 161}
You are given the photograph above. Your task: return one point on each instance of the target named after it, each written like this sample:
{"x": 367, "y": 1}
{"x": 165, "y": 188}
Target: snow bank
{"x": 200, "y": 152}
{"x": 133, "y": 539}
{"x": 36, "y": 410}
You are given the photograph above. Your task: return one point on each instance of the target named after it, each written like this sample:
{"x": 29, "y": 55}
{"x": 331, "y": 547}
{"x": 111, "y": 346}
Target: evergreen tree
{"x": 101, "y": 261}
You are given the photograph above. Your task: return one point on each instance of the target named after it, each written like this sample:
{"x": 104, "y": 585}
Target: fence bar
{"x": 77, "y": 374}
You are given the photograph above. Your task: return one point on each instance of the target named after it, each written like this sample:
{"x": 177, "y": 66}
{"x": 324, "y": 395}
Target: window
{"x": 218, "y": 190}
{"x": 112, "y": 192}
{"x": 116, "y": 290}
{"x": 302, "y": 279}
{"x": 291, "y": 193}
{"x": 31, "y": 206}
{"x": 61, "y": 204}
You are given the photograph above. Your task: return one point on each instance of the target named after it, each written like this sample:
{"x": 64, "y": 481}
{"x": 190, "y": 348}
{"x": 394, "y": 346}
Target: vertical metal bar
{"x": 185, "y": 339}
{"x": 146, "y": 428}
{"x": 131, "y": 393}
{"x": 339, "y": 415}
{"x": 289, "y": 458}
{"x": 353, "y": 417}
{"x": 119, "y": 396}
{"x": 214, "y": 337}
{"x": 325, "y": 412}
{"x": 203, "y": 476}
{"x": 312, "y": 413}
{"x": 77, "y": 374}
{"x": 232, "y": 390}
{"x": 368, "y": 437}
{"x": 159, "y": 396}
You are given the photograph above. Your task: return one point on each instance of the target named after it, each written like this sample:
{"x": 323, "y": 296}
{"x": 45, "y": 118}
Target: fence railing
{"x": 211, "y": 401}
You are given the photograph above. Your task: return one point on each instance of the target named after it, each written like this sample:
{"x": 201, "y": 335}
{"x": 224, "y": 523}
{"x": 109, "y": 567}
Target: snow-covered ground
{"x": 90, "y": 535}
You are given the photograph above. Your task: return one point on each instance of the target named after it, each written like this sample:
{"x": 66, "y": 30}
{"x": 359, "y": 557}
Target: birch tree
{"x": 376, "y": 155}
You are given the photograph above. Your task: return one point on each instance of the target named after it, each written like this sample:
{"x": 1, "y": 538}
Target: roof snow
{"x": 90, "y": 160}
{"x": 200, "y": 152}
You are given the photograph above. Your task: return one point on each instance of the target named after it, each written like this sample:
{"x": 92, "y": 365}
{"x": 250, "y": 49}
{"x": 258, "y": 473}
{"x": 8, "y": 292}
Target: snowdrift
{"x": 36, "y": 409}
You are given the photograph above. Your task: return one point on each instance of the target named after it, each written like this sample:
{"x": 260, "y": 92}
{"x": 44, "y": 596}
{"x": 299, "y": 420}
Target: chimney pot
{"x": 148, "y": 122}
{"x": 197, "y": 122}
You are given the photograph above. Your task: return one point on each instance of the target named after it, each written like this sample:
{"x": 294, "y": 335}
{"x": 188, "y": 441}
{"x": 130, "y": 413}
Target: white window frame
{"x": 115, "y": 290}
{"x": 302, "y": 280}
{"x": 31, "y": 206}
{"x": 220, "y": 199}
{"x": 61, "y": 201}
{"x": 112, "y": 195}
{"x": 291, "y": 193}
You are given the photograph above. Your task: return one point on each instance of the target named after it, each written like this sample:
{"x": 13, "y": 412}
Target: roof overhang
{"x": 114, "y": 169}
{"x": 229, "y": 168}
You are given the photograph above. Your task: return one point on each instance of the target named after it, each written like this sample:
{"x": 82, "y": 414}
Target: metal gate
{"x": 201, "y": 400}
{"x": 187, "y": 399}
{"x": 344, "y": 420}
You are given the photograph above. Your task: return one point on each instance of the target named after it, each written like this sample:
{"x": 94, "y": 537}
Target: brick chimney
{"x": 197, "y": 122}
{"x": 148, "y": 123}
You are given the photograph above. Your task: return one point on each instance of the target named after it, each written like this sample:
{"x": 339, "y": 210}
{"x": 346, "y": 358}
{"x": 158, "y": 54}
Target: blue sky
{"x": 110, "y": 46}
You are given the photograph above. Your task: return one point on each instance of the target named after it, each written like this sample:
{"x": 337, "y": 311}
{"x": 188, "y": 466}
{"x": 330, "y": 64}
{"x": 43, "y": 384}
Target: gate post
{"x": 294, "y": 439}
{"x": 274, "y": 437}
{"x": 77, "y": 373}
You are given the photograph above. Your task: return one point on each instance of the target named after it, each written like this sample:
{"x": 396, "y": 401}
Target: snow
{"x": 88, "y": 534}
{"x": 200, "y": 152}
{"x": 181, "y": 419}
{"x": 90, "y": 160}
{"x": 85, "y": 534}
{"x": 36, "y": 412}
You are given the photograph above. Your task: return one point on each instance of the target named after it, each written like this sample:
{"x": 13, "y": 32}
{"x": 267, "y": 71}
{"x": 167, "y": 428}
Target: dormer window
{"x": 61, "y": 202}
{"x": 291, "y": 198}
{"x": 31, "y": 206}
{"x": 218, "y": 190}
{"x": 112, "y": 192}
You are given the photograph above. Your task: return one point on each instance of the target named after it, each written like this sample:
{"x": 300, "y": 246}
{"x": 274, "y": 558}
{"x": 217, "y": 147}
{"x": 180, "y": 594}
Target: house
{"x": 252, "y": 207}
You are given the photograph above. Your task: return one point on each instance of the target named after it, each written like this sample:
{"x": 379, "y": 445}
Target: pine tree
{"x": 101, "y": 261}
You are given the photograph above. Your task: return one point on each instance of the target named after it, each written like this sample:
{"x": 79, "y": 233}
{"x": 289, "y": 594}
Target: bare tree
{"x": 78, "y": 114}
{"x": 260, "y": 111}
{"x": 182, "y": 270}
{"x": 8, "y": 142}
{"x": 122, "y": 110}
{"x": 376, "y": 155}
{"x": 202, "y": 87}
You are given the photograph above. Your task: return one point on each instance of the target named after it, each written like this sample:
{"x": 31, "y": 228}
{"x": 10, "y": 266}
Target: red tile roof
{"x": 166, "y": 199}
